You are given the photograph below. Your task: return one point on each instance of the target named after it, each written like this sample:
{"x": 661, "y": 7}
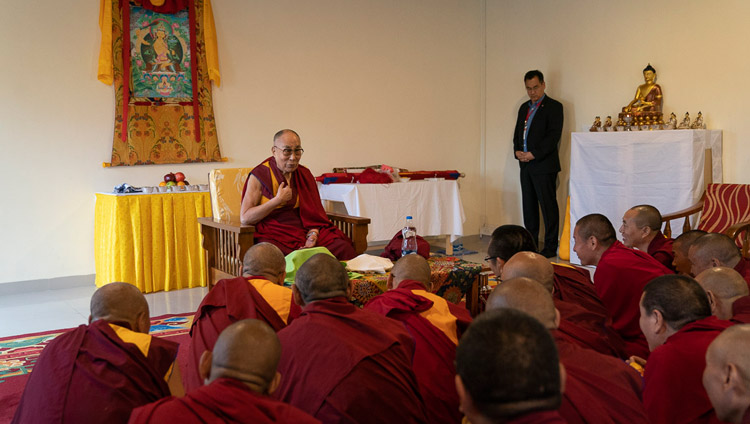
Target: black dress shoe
{"x": 548, "y": 253}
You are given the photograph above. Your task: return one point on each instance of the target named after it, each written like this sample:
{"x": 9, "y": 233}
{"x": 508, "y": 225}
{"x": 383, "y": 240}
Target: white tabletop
{"x": 434, "y": 205}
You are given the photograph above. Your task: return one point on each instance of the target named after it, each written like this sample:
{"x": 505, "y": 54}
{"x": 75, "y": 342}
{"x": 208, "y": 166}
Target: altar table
{"x": 434, "y": 205}
{"x": 152, "y": 241}
{"x": 610, "y": 172}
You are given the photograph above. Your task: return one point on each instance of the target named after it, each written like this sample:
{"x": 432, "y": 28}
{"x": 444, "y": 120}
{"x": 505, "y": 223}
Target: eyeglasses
{"x": 489, "y": 258}
{"x": 288, "y": 152}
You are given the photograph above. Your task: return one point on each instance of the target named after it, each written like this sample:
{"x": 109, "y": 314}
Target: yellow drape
{"x": 105, "y": 71}
{"x": 564, "y": 253}
{"x": 152, "y": 241}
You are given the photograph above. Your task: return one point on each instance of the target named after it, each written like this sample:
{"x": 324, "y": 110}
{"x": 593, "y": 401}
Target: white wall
{"x": 592, "y": 55}
{"x": 363, "y": 82}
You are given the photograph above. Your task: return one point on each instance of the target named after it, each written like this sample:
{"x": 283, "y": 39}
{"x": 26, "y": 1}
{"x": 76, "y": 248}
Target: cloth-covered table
{"x": 611, "y": 172}
{"x": 435, "y": 206}
{"x": 452, "y": 278}
{"x": 152, "y": 241}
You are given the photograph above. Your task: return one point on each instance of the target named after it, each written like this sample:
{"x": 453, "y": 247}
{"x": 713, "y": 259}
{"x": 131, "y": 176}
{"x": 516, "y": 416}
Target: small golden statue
{"x": 608, "y": 124}
{"x": 698, "y": 123}
{"x": 672, "y": 123}
{"x": 645, "y": 108}
{"x": 685, "y": 124}
{"x": 597, "y": 125}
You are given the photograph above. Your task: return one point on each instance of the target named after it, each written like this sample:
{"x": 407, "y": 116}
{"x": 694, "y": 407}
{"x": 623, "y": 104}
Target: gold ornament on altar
{"x": 597, "y": 125}
{"x": 645, "y": 108}
{"x": 608, "y": 124}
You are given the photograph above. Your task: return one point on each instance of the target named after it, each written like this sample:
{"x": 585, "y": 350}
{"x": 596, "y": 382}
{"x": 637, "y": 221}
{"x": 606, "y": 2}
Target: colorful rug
{"x": 18, "y": 355}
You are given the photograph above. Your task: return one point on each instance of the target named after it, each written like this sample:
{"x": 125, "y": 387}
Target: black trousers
{"x": 540, "y": 191}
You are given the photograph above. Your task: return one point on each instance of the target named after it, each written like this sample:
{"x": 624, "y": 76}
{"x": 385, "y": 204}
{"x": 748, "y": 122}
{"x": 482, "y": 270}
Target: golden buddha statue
{"x": 645, "y": 108}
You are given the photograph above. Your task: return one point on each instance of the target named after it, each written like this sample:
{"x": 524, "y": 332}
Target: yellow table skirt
{"x": 152, "y": 241}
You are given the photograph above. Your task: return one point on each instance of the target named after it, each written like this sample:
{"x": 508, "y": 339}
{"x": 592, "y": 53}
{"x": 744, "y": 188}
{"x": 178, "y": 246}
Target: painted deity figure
{"x": 648, "y": 96}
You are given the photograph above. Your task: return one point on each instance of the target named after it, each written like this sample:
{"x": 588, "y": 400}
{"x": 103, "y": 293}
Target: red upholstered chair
{"x": 723, "y": 208}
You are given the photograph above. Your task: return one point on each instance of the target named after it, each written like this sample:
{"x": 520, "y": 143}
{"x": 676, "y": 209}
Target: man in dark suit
{"x": 535, "y": 142}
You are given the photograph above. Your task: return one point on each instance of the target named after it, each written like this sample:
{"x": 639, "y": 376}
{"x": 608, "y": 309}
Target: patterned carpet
{"x": 18, "y": 354}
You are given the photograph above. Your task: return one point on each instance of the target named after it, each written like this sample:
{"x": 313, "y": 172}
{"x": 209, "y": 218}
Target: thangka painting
{"x": 160, "y": 56}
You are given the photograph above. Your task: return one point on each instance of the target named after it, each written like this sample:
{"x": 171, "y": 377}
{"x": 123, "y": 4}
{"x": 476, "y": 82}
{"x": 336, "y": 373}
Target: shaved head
{"x": 525, "y": 295}
{"x": 321, "y": 277}
{"x": 723, "y": 282}
{"x": 723, "y": 286}
{"x": 120, "y": 302}
{"x": 599, "y": 226}
{"x": 727, "y": 373}
{"x": 249, "y": 351}
{"x": 531, "y": 265}
{"x": 681, "y": 248}
{"x": 264, "y": 260}
{"x": 713, "y": 249}
{"x": 411, "y": 267}
{"x": 647, "y": 216}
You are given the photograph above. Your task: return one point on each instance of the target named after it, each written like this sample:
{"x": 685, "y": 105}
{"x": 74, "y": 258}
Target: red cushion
{"x": 725, "y": 205}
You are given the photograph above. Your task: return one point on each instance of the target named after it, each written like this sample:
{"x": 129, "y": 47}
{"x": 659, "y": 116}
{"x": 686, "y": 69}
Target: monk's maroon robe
{"x": 231, "y": 300}
{"x": 589, "y": 329}
{"x": 90, "y": 375}
{"x": 741, "y": 310}
{"x": 743, "y": 267}
{"x": 287, "y": 225}
{"x": 573, "y": 284}
{"x": 661, "y": 249}
{"x": 224, "y": 400}
{"x": 346, "y": 365}
{"x": 599, "y": 388}
{"x": 538, "y": 417}
{"x": 673, "y": 380}
{"x": 434, "y": 352}
{"x": 620, "y": 277}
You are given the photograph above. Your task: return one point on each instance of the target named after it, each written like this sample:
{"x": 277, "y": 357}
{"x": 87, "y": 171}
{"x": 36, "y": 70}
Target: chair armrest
{"x": 356, "y": 220}
{"x": 233, "y": 226}
{"x": 692, "y": 210}
{"x": 736, "y": 231}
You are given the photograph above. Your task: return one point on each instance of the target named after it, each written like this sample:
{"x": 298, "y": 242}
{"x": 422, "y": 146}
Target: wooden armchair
{"x": 226, "y": 240}
{"x": 723, "y": 208}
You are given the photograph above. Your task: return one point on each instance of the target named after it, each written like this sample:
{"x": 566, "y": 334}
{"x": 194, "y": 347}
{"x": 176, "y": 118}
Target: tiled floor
{"x": 66, "y": 308}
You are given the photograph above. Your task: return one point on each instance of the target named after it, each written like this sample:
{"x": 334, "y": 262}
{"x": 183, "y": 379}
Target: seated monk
{"x": 641, "y": 229}
{"x": 435, "y": 324}
{"x": 648, "y": 96}
{"x": 725, "y": 377}
{"x": 97, "y": 373}
{"x": 727, "y": 293}
{"x": 240, "y": 373}
{"x": 342, "y": 364}
{"x": 281, "y": 199}
{"x": 259, "y": 294}
{"x": 716, "y": 249}
{"x": 621, "y": 273}
{"x": 680, "y": 250}
{"x": 508, "y": 370}
{"x": 580, "y": 326}
{"x": 598, "y": 388}
{"x": 676, "y": 319}
{"x": 572, "y": 284}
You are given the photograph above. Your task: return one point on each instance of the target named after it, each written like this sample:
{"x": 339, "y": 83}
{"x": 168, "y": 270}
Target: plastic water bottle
{"x": 409, "y": 233}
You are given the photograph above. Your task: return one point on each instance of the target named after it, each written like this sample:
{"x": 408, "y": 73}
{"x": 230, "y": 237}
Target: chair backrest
{"x": 725, "y": 205}
{"x": 225, "y": 186}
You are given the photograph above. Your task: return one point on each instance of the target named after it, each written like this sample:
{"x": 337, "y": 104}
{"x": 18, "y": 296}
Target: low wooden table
{"x": 452, "y": 279}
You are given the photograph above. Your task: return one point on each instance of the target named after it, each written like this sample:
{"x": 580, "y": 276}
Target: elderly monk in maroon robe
{"x": 435, "y": 324}
{"x": 508, "y": 370}
{"x": 281, "y": 199}
{"x": 259, "y": 294}
{"x": 725, "y": 376}
{"x": 727, "y": 293}
{"x": 599, "y": 388}
{"x": 98, "y": 373}
{"x": 584, "y": 327}
{"x": 240, "y": 373}
{"x": 621, "y": 273}
{"x": 680, "y": 250}
{"x": 716, "y": 249}
{"x": 342, "y": 364}
{"x": 641, "y": 229}
{"x": 676, "y": 319}
{"x": 572, "y": 284}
